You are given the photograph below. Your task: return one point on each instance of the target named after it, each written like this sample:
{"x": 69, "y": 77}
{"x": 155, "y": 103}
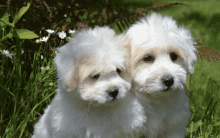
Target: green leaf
{"x": 9, "y": 35}
{"x": 25, "y": 34}
{"x": 21, "y": 12}
{"x": 195, "y": 126}
{"x": 4, "y": 18}
{"x": 68, "y": 19}
{"x": 4, "y": 15}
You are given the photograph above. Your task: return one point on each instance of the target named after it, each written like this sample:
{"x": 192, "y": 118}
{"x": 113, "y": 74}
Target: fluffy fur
{"x": 93, "y": 98}
{"x": 162, "y": 53}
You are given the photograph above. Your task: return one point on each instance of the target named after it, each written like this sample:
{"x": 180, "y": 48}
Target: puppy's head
{"x": 162, "y": 54}
{"x": 94, "y": 64}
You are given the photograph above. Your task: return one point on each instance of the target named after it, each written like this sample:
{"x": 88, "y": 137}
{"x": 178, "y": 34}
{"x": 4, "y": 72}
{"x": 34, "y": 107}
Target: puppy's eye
{"x": 118, "y": 70}
{"x": 95, "y": 77}
{"x": 173, "y": 56}
{"x": 149, "y": 59}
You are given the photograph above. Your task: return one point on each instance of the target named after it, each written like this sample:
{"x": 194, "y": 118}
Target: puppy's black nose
{"x": 167, "y": 80}
{"x": 113, "y": 93}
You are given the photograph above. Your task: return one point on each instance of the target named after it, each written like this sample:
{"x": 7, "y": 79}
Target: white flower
{"x": 65, "y": 15}
{"x": 41, "y": 56}
{"x": 51, "y": 84}
{"x": 50, "y": 31}
{"x": 22, "y": 51}
{"x": 6, "y": 53}
{"x": 44, "y": 39}
{"x": 56, "y": 52}
{"x": 42, "y": 68}
{"x": 62, "y": 34}
{"x": 72, "y": 31}
{"x": 38, "y": 40}
{"x": 47, "y": 68}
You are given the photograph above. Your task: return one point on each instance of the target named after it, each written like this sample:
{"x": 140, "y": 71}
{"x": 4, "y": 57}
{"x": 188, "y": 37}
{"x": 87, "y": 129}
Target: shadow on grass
{"x": 214, "y": 26}
{"x": 197, "y": 16}
{"x": 211, "y": 25}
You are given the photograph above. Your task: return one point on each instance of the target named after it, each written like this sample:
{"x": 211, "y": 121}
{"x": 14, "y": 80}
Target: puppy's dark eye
{"x": 173, "y": 56}
{"x": 149, "y": 59}
{"x": 95, "y": 77}
{"x": 118, "y": 70}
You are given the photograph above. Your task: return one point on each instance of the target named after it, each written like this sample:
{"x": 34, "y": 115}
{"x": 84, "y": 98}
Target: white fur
{"x": 82, "y": 108}
{"x": 158, "y": 36}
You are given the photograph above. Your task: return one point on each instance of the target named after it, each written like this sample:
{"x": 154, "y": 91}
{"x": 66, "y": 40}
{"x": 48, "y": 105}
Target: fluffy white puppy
{"x": 162, "y": 53}
{"x": 93, "y": 98}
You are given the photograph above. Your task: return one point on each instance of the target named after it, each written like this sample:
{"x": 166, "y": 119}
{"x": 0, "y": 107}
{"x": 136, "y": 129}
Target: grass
{"x": 18, "y": 96}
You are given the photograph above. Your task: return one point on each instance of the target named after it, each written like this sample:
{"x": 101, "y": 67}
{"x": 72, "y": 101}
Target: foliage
{"x": 13, "y": 32}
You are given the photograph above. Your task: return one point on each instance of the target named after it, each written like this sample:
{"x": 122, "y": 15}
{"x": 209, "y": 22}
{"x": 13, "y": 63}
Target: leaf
{"x": 158, "y": 5}
{"x": 195, "y": 126}
{"x": 208, "y": 54}
{"x": 21, "y": 12}
{"x": 25, "y": 34}
{"x": 9, "y": 35}
{"x": 4, "y": 17}
{"x": 68, "y": 19}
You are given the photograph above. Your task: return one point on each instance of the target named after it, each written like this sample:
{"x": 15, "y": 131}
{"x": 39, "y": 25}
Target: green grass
{"x": 18, "y": 96}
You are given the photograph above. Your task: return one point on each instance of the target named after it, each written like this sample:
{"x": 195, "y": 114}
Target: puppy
{"x": 93, "y": 98}
{"x": 162, "y": 53}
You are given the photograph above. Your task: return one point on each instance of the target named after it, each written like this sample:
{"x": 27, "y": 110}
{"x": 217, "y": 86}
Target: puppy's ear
{"x": 71, "y": 79}
{"x": 126, "y": 43}
{"x": 192, "y": 58}
{"x": 65, "y": 67}
{"x": 188, "y": 44}
{"x": 127, "y": 48}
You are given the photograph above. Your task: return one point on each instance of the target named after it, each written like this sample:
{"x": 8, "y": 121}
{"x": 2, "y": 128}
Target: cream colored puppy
{"x": 162, "y": 54}
{"x": 93, "y": 98}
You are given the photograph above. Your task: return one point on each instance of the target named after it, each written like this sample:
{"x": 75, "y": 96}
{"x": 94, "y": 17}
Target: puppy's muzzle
{"x": 167, "y": 81}
{"x": 113, "y": 92}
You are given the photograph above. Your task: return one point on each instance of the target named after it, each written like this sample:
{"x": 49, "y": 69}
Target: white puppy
{"x": 93, "y": 98}
{"x": 162, "y": 53}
